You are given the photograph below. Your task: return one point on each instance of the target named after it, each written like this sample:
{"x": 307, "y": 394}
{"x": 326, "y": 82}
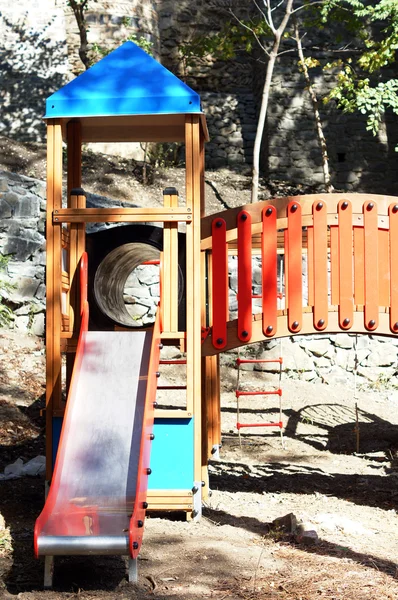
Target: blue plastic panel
{"x": 172, "y": 459}
{"x": 126, "y": 82}
{"x": 57, "y": 426}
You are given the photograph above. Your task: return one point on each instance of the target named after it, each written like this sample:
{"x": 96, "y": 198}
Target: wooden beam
{"x": 193, "y": 282}
{"x": 121, "y": 215}
{"x": 53, "y": 282}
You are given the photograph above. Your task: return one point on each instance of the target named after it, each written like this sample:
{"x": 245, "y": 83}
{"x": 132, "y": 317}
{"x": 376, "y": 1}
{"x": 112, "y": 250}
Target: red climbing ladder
{"x": 277, "y": 392}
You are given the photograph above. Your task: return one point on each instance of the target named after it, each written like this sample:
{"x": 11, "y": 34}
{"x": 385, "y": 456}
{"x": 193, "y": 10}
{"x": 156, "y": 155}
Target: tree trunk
{"x": 315, "y": 107}
{"x": 277, "y": 33}
{"x": 261, "y": 120}
{"x": 78, "y": 11}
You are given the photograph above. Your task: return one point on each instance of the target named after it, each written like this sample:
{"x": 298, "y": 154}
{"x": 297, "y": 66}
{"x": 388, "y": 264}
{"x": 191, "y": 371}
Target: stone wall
{"x": 22, "y": 221}
{"x": 39, "y": 53}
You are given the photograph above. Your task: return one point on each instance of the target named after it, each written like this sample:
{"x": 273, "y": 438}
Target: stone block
{"x": 318, "y": 348}
{"x": 27, "y": 206}
{"x": 3, "y": 184}
{"x": 343, "y": 340}
{"x": 5, "y": 209}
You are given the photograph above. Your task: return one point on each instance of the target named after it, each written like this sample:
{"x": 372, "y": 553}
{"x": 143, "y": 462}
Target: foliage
{"x": 6, "y": 314}
{"x": 358, "y": 82}
{"x": 98, "y": 52}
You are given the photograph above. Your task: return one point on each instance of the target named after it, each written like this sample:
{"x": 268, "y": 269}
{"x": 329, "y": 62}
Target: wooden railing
{"x": 339, "y": 255}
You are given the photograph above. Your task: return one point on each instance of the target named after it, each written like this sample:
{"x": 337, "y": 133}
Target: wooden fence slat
{"x": 393, "y": 214}
{"x": 384, "y": 268}
{"x": 219, "y": 283}
{"x": 346, "y": 304}
{"x": 359, "y": 266}
{"x": 294, "y": 267}
{"x": 310, "y": 265}
{"x": 319, "y": 211}
{"x": 371, "y": 238}
{"x": 244, "y": 276}
{"x": 269, "y": 271}
{"x": 334, "y": 265}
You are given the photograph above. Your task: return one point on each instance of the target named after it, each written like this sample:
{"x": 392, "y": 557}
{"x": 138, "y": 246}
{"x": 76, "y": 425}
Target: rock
{"x": 34, "y": 467}
{"x": 288, "y": 523}
{"x": 336, "y": 376}
{"x": 317, "y": 347}
{"x": 343, "y": 340}
{"x": 384, "y": 355}
{"x": 307, "y": 538}
{"x": 14, "y": 470}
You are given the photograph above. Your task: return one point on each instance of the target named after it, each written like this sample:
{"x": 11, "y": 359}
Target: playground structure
{"x": 119, "y": 454}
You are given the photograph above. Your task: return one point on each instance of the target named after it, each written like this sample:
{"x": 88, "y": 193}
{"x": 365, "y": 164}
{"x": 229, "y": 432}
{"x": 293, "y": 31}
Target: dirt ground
{"x": 350, "y": 499}
{"x": 235, "y": 552}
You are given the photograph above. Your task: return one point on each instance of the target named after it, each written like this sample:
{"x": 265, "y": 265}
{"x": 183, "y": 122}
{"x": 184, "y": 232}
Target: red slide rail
{"x": 338, "y": 252}
{"x": 140, "y": 504}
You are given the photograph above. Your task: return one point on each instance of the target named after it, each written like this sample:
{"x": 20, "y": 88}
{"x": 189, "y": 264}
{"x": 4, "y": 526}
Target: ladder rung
{"x": 269, "y": 393}
{"x": 182, "y": 361}
{"x": 240, "y": 425}
{"x": 240, "y": 361}
{"x": 172, "y": 387}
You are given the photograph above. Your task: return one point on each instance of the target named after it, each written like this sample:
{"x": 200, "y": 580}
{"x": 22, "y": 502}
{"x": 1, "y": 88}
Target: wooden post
{"x": 170, "y": 266}
{"x": 53, "y": 282}
{"x": 77, "y": 234}
{"x": 193, "y": 282}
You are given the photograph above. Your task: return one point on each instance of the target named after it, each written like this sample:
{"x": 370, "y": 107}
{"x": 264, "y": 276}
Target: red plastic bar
{"x": 240, "y": 361}
{"x": 269, "y": 253}
{"x": 384, "y": 268}
{"x": 239, "y": 393}
{"x": 334, "y": 264}
{"x": 155, "y": 261}
{"x": 240, "y": 425}
{"x": 346, "y": 305}
{"x": 393, "y": 214}
{"x": 294, "y": 267}
{"x": 319, "y": 212}
{"x": 219, "y": 283}
{"x": 310, "y": 265}
{"x": 244, "y": 276}
{"x": 359, "y": 266}
{"x": 370, "y": 222}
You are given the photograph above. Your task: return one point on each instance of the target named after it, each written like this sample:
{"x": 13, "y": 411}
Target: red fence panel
{"x": 371, "y": 238}
{"x": 269, "y": 257}
{"x": 220, "y": 283}
{"x": 393, "y": 214}
{"x": 319, "y": 212}
{"x": 244, "y": 276}
{"x": 346, "y": 304}
{"x": 294, "y": 267}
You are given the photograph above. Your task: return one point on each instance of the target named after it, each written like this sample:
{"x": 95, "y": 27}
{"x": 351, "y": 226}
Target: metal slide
{"x": 96, "y": 503}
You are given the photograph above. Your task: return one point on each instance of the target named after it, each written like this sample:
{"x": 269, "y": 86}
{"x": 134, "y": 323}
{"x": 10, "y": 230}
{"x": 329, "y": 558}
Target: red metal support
{"x": 219, "y": 283}
{"x": 240, "y": 393}
{"x": 294, "y": 267}
{"x": 241, "y": 425}
{"x": 346, "y": 305}
{"x": 269, "y": 249}
{"x": 393, "y": 215}
{"x": 370, "y": 222}
{"x": 244, "y": 276}
{"x": 319, "y": 212}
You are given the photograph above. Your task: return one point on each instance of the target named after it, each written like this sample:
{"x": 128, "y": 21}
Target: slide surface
{"x": 98, "y": 476}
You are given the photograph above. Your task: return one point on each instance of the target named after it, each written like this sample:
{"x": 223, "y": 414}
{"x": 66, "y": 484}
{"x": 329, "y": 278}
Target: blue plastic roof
{"x": 126, "y": 82}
